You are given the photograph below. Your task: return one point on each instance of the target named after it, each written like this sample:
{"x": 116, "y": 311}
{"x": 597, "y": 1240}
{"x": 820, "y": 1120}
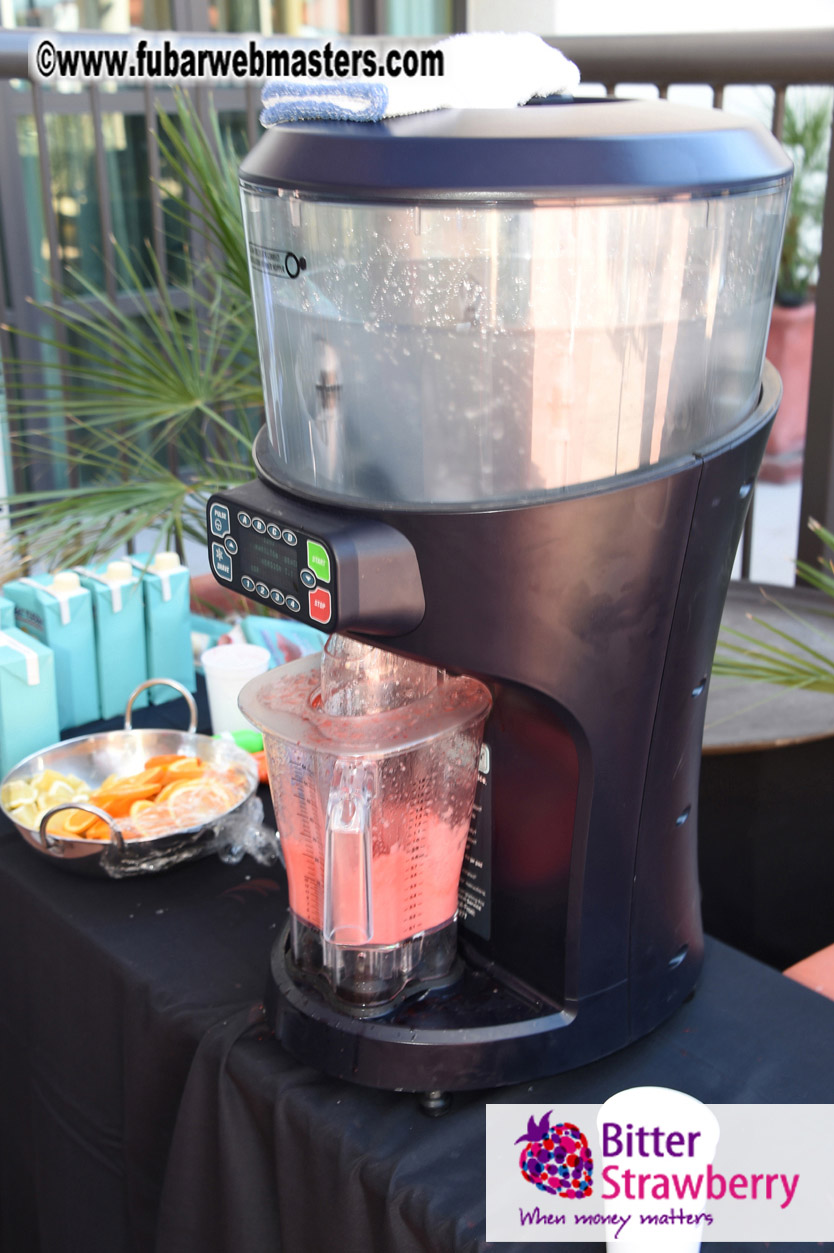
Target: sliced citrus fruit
{"x": 98, "y": 831}
{"x": 180, "y": 776}
{"x": 28, "y": 816}
{"x": 57, "y": 825}
{"x": 46, "y": 778}
{"x": 186, "y": 767}
{"x": 18, "y": 792}
{"x": 116, "y": 804}
{"x": 200, "y": 802}
{"x": 185, "y": 764}
{"x": 139, "y": 807}
{"x": 165, "y": 759}
{"x": 154, "y": 821}
{"x": 79, "y": 821}
{"x": 145, "y": 778}
{"x": 177, "y": 785}
{"x": 58, "y": 792}
{"x": 117, "y": 801}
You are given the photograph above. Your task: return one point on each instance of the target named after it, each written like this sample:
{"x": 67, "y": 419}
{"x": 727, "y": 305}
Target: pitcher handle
{"x": 348, "y": 904}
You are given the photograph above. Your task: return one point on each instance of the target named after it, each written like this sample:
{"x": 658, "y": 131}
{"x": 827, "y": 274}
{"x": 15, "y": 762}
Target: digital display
{"x": 265, "y": 558}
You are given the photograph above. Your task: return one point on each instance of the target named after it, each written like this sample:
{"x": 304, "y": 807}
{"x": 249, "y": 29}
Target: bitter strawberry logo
{"x": 556, "y": 1158}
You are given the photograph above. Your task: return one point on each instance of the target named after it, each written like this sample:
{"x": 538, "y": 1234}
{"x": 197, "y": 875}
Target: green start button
{"x": 318, "y": 560}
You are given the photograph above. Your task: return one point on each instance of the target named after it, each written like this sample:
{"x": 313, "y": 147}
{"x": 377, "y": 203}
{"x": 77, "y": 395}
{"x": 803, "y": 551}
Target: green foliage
{"x": 806, "y": 137}
{"x": 154, "y": 405}
{"x": 206, "y": 165}
{"x": 790, "y": 662}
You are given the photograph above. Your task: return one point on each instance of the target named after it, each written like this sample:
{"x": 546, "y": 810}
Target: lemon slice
{"x": 27, "y": 815}
{"x": 58, "y": 792}
{"x": 43, "y": 781}
{"x": 18, "y": 792}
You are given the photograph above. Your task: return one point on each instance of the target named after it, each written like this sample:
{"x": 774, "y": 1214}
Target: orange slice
{"x": 78, "y": 821}
{"x": 171, "y": 789}
{"x": 117, "y": 801}
{"x": 166, "y": 759}
{"x": 183, "y": 768}
{"x": 64, "y": 824}
{"x": 156, "y": 820}
{"x": 58, "y": 824}
{"x": 117, "y": 806}
{"x": 139, "y": 807}
{"x": 200, "y": 802}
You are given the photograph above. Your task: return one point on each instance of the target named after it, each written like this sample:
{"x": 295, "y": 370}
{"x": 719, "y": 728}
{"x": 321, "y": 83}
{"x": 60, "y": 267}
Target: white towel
{"x": 483, "y": 70}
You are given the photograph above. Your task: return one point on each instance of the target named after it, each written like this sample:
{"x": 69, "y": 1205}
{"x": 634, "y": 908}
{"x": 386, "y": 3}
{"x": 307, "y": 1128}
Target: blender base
{"x": 367, "y": 1011}
{"x": 478, "y": 1033}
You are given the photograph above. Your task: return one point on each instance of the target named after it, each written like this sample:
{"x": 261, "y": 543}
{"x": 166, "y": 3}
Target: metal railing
{"x": 775, "y": 59}
{"x": 18, "y": 276}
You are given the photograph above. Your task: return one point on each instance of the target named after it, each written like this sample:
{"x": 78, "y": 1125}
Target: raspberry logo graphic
{"x": 556, "y": 1158}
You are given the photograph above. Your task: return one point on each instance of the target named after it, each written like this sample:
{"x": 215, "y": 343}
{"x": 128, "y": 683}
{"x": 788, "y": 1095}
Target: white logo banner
{"x": 656, "y": 1167}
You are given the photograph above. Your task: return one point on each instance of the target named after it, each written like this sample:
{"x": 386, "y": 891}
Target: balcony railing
{"x": 778, "y": 60}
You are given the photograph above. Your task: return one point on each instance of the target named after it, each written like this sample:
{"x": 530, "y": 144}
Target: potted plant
{"x": 806, "y": 136}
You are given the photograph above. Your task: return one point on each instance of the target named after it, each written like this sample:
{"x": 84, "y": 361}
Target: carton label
{"x": 28, "y": 620}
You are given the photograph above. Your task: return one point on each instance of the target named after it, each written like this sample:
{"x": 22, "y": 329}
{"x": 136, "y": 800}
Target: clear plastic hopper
{"x": 373, "y": 765}
{"x": 440, "y": 353}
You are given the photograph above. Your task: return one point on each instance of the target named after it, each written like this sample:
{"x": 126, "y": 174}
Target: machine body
{"x": 588, "y": 603}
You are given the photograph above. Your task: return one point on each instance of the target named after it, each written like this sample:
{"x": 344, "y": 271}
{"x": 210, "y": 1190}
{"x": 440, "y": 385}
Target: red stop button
{"x": 320, "y": 605}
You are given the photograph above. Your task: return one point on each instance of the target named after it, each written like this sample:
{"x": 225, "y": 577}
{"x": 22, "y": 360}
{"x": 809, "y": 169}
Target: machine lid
{"x": 610, "y": 148}
{"x": 365, "y": 711}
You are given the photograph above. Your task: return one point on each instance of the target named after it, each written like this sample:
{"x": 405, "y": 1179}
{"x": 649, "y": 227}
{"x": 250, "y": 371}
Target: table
{"x": 766, "y": 856}
{"x": 744, "y": 716}
{"x": 106, "y": 988}
{"x": 146, "y": 1108}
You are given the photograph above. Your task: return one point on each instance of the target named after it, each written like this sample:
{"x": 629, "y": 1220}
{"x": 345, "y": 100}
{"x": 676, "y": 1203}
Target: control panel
{"x": 273, "y": 560}
{"x": 332, "y": 568}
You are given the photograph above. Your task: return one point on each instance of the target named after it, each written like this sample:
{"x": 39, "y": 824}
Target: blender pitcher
{"x": 373, "y": 763}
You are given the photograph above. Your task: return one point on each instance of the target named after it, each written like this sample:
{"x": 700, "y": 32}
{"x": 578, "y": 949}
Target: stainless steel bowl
{"x": 94, "y": 757}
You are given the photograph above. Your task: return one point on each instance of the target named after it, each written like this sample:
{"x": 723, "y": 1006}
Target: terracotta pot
{"x": 790, "y": 347}
{"x": 207, "y": 594}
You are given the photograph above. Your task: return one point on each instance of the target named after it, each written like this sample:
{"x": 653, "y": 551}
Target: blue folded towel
{"x": 481, "y": 70}
{"x": 354, "y": 100}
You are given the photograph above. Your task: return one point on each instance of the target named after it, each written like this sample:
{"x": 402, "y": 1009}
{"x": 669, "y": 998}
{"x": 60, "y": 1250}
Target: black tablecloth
{"x": 106, "y": 988}
{"x": 145, "y": 1105}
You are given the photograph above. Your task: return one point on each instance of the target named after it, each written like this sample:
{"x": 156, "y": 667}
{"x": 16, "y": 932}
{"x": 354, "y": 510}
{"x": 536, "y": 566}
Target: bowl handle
{"x": 50, "y": 841}
{"x": 183, "y": 691}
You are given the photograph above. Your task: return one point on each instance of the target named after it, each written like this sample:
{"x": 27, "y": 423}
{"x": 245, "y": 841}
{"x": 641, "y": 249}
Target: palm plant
{"x": 156, "y": 406}
{"x": 780, "y": 657}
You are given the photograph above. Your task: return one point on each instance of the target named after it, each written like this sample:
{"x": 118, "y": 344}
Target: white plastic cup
{"x": 228, "y": 668}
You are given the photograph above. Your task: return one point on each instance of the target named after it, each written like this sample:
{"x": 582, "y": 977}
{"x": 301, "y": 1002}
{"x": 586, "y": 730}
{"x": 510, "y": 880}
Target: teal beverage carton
{"x": 28, "y": 697}
{"x": 166, "y": 584}
{"x": 58, "y": 611}
{"x": 119, "y": 617}
{"x": 6, "y": 613}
